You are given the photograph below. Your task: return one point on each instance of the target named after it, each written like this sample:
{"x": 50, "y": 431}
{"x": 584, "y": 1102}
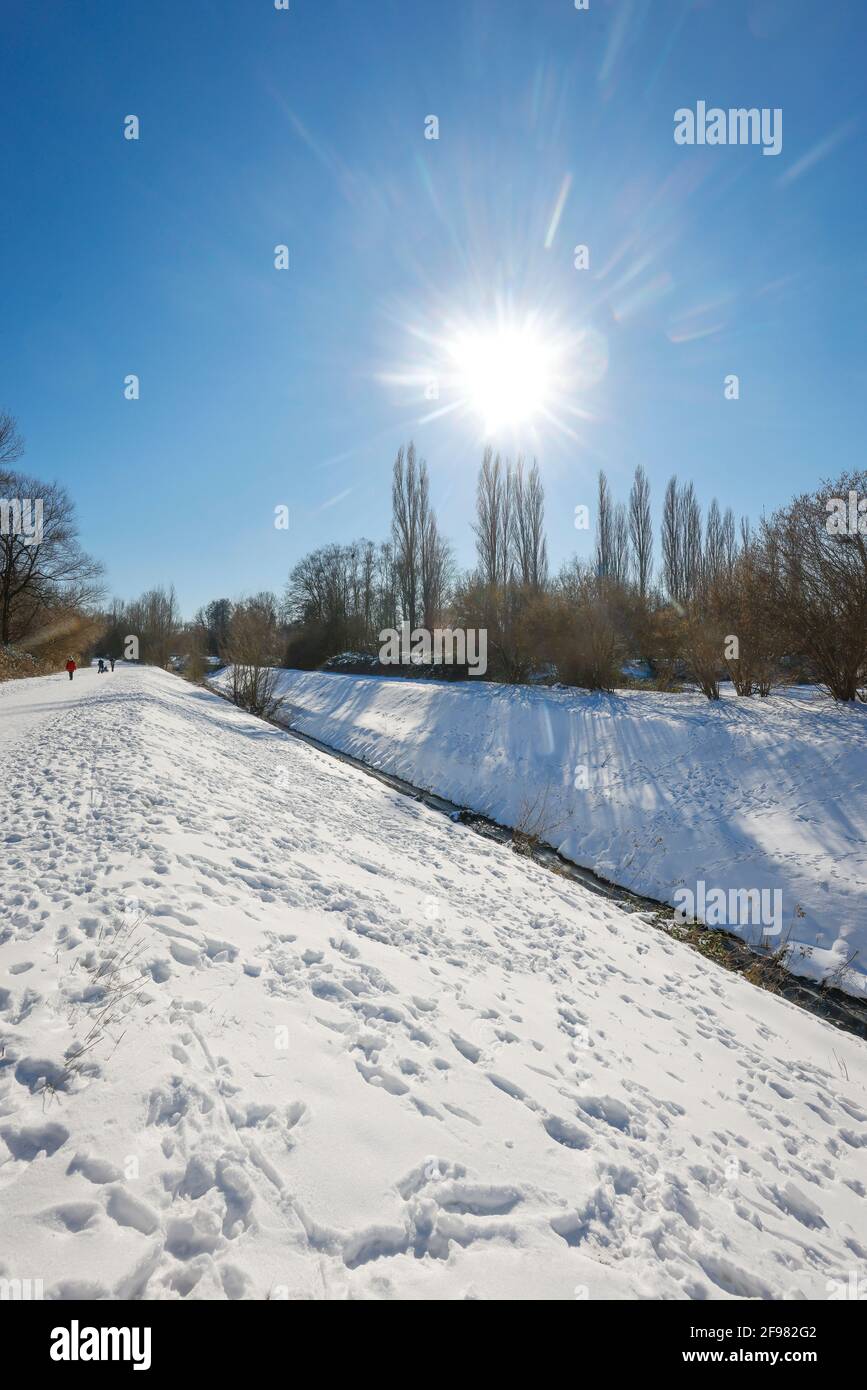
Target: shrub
{"x": 818, "y": 582}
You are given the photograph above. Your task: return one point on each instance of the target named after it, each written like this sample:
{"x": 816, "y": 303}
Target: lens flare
{"x": 518, "y": 376}
{"x": 505, "y": 375}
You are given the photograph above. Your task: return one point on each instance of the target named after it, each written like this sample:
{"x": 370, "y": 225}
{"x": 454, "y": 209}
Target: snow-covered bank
{"x": 341, "y": 1047}
{"x": 654, "y": 792}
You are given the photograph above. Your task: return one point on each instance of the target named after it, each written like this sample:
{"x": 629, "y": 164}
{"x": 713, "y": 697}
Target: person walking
{"x": 70, "y": 666}
{"x": 100, "y": 670}
{"x": 111, "y": 659}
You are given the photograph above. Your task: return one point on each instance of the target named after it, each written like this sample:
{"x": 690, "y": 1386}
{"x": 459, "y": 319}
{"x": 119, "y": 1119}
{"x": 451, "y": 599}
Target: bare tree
{"x": 251, "y": 652}
{"x": 410, "y": 511}
{"x": 585, "y": 642}
{"x": 689, "y": 520}
{"x": 155, "y": 620}
{"x": 529, "y": 544}
{"x": 40, "y": 570}
{"x": 11, "y": 442}
{"x": 604, "y": 529}
{"x": 619, "y": 573}
{"x": 729, "y": 541}
{"x": 752, "y": 616}
{"x": 193, "y": 642}
{"x": 339, "y": 598}
{"x": 682, "y": 559}
{"x": 819, "y": 584}
{"x": 218, "y": 615}
{"x": 713, "y": 560}
{"x": 494, "y": 524}
{"x": 702, "y": 645}
{"x": 672, "y": 558}
{"x": 386, "y": 597}
{"x": 435, "y": 571}
{"x": 641, "y": 532}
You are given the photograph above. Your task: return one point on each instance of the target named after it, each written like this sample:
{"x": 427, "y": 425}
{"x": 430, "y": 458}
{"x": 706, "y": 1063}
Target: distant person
{"x": 70, "y": 666}
{"x": 111, "y": 659}
{"x": 100, "y": 667}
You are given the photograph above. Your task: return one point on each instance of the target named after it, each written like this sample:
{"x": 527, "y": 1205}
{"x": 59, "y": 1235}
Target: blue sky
{"x": 262, "y": 387}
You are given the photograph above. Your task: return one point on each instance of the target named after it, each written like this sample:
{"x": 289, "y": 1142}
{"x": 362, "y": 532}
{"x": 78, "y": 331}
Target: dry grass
{"x": 536, "y": 824}
{"x": 101, "y": 1013}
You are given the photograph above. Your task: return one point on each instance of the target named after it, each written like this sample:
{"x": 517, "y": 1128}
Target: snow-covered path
{"x": 336, "y": 1046}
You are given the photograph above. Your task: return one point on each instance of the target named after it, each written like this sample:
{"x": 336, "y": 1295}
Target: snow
{"x": 651, "y": 791}
{"x": 306, "y": 1038}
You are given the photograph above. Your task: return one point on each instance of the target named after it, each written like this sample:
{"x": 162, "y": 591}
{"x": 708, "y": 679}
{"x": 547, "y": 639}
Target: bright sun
{"x": 505, "y": 375}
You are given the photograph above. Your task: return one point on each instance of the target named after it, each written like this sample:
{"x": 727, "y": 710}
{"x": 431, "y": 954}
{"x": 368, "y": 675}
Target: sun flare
{"x": 514, "y": 376}
{"x": 505, "y": 375}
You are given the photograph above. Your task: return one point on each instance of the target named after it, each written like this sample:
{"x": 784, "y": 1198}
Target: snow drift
{"x": 654, "y": 792}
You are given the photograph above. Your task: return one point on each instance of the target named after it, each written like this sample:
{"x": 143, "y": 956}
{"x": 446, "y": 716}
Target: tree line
{"x": 707, "y": 599}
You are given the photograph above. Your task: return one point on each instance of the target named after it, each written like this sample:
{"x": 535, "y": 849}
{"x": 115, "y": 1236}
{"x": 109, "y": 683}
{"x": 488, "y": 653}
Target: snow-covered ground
{"x": 652, "y": 791}
{"x": 306, "y": 1038}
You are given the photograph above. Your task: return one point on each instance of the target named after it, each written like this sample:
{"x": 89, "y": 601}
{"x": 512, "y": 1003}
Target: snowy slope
{"x": 651, "y": 791}
{"x": 326, "y": 1044}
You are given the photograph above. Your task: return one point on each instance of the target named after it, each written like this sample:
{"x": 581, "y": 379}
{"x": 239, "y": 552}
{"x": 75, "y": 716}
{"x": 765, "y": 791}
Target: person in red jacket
{"x": 70, "y": 666}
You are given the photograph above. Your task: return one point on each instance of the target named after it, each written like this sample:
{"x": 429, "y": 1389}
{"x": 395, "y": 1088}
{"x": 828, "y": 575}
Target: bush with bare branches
{"x": 818, "y": 582}
{"x": 252, "y": 651}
